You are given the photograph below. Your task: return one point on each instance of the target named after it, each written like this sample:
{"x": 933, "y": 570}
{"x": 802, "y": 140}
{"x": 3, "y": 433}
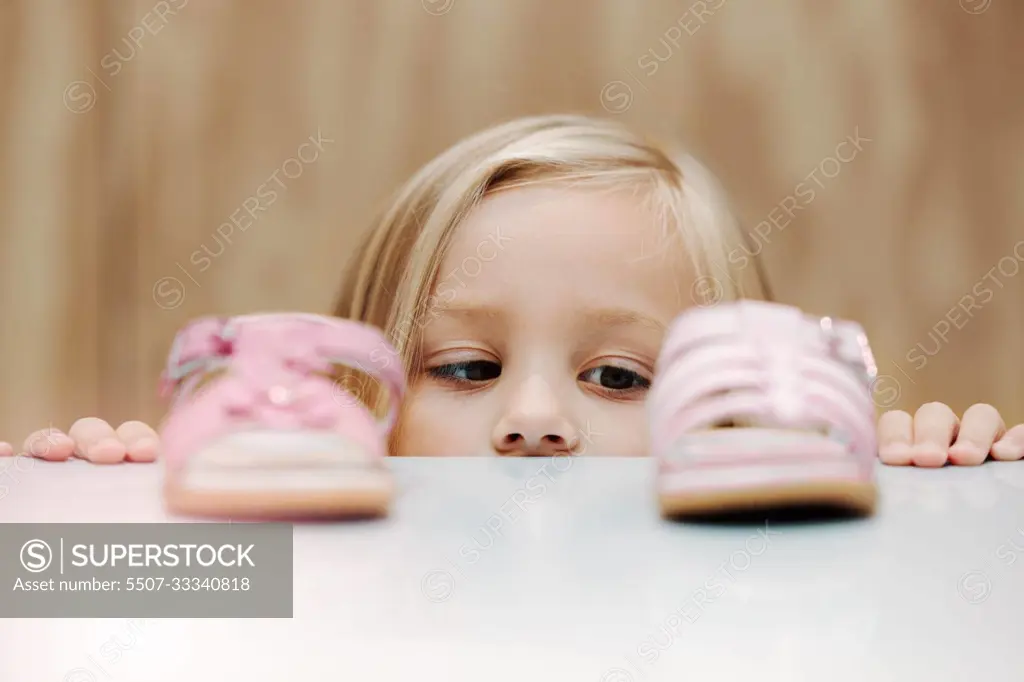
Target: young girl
{"x": 526, "y": 276}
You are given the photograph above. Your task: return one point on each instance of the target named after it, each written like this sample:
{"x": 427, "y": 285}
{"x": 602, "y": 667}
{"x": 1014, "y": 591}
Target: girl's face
{"x": 544, "y": 329}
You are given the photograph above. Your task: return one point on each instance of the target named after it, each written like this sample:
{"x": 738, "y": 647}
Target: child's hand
{"x": 934, "y": 436}
{"x": 94, "y": 440}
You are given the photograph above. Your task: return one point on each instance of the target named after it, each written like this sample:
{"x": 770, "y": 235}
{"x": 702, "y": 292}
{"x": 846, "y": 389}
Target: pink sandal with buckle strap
{"x": 757, "y": 405}
{"x": 260, "y": 428}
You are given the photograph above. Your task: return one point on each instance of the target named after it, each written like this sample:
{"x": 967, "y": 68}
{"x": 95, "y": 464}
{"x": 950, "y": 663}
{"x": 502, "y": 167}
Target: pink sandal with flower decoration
{"x": 262, "y": 427}
{"x": 757, "y": 405}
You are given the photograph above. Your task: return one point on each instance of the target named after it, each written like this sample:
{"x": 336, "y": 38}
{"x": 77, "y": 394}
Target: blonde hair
{"x": 389, "y": 282}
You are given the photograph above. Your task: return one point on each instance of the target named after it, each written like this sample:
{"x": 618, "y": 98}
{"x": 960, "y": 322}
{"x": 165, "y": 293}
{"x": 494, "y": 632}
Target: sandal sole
{"x": 858, "y": 498}
{"x": 272, "y": 475}
{"x": 746, "y": 470}
{"x": 276, "y": 505}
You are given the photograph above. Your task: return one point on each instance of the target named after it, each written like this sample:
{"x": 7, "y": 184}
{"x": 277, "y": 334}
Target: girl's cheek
{"x": 429, "y": 408}
{"x": 435, "y": 425}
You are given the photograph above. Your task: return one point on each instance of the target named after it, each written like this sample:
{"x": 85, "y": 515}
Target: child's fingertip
{"x": 896, "y": 454}
{"x": 51, "y": 445}
{"x": 1007, "y": 451}
{"x": 966, "y": 454}
{"x": 106, "y": 451}
{"x": 929, "y": 455}
{"x": 143, "y": 450}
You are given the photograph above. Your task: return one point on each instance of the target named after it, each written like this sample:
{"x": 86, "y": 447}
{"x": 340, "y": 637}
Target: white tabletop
{"x": 582, "y": 581}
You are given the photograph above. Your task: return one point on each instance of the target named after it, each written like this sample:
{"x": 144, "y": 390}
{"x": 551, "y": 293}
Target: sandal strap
{"x": 302, "y": 340}
{"x": 364, "y": 347}
{"x": 767, "y": 363}
{"x": 197, "y": 346}
{"x": 844, "y": 340}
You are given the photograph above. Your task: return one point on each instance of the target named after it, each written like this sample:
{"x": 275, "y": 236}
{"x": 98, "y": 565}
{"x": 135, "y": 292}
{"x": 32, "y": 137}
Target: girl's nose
{"x": 535, "y": 424}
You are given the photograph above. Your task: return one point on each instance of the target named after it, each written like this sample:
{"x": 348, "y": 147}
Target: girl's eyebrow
{"x": 601, "y": 318}
{"x": 465, "y": 309}
{"x": 621, "y": 317}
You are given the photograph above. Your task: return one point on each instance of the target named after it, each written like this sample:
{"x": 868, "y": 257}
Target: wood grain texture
{"x": 127, "y": 214}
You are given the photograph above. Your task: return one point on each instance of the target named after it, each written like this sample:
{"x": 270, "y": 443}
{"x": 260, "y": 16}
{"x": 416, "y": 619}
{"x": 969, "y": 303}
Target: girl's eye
{"x": 617, "y": 379}
{"x": 467, "y": 372}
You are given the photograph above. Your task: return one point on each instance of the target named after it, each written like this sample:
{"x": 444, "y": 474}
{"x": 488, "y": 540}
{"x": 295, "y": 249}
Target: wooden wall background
{"x": 131, "y": 129}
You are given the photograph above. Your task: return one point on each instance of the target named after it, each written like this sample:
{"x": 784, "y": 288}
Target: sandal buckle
{"x": 863, "y": 363}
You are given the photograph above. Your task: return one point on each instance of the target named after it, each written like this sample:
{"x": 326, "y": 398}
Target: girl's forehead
{"x": 567, "y": 244}
{"x": 559, "y": 217}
